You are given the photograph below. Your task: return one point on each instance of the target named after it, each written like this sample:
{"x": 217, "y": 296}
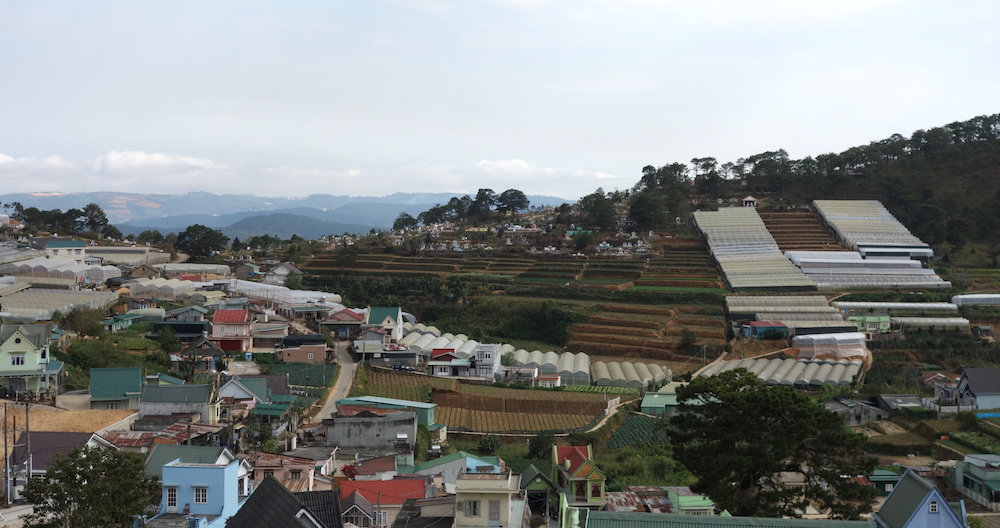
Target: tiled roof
{"x": 323, "y": 504}
{"x": 394, "y": 491}
{"x": 345, "y": 315}
{"x": 271, "y": 505}
{"x": 231, "y": 316}
{"x": 576, "y": 455}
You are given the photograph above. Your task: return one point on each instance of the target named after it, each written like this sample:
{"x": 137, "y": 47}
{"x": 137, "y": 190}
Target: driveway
{"x": 345, "y": 378}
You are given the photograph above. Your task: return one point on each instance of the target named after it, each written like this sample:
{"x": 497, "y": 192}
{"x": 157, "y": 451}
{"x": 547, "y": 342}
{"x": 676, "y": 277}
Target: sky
{"x": 552, "y": 97}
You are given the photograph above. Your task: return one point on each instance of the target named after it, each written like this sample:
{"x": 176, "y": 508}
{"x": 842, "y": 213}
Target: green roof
{"x": 55, "y": 244}
{"x": 176, "y": 393}
{"x": 360, "y": 400}
{"x": 270, "y": 409}
{"x": 491, "y": 460}
{"x": 164, "y": 453}
{"x": 377, "y": 314}
{"x": 884, "y": 475}
{"x": 257, "y": 386}
{"x": 283, "y": 398}
{"x": 170, "y": 379}
{"x": 528, "y": 476}
{"x": 659, "y": 400}
{"x": 602, "y": 519}
{"x": 115, "y": 383}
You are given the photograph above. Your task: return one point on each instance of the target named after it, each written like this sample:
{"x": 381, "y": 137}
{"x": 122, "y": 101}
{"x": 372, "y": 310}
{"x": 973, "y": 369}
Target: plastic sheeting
{"x": 845, "y": 345}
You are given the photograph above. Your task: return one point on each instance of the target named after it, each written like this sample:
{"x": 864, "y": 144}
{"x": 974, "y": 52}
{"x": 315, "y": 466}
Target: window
{"x": 201, "y": 495}
{"x": 309, "y": 355}
{"x": 296, "y": 474}
{"x": 268, "y": 473}
{"x": 17, "y": 359}
{"x": 383, "y": 518}
{"x": 472, "y": 508}
{"x": 888, "y": 488}
{"x": 171, "y": 497}
{"x": 934, "y": 507}
{"x": 111, "y": 406}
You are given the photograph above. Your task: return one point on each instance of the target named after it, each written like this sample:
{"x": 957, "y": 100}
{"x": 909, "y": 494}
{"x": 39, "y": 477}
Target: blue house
{"x": 198, "y": 495}
{"x": 916, "y": 503}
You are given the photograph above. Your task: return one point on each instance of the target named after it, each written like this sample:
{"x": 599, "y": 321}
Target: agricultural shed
{"x": 521, "y": 358}
{"x": 550, "y": 363}
{"x": 436, "y": 343}
{"x": 422, "y": 342}
{"x": 616, "y": 374}
{"x": 747, "y": 254}
{"x": 972, "y": 299}
{"x": 762, "y": 308}
{"x": 868, "y": 227}
{"x": 187, "y": 268}
{"x": 432, "y": 330}
{"x": 468, "y": 349}
{"x": 798, "y": 328}
{"x": 160, "y": 288}
{"x": 535, "y": 360}
{"x": 38, "y": 304}
{"x": 631, "y": 376}
{"x": 601, "y": 375}
{"x": 659, "y": 373}
{"x": 581, "y": 369}
{"x": 410, "y": 338}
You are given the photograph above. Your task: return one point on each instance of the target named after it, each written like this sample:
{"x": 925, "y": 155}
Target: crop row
{"x": 501, "y": 422}
{"x": 637, "y": 430}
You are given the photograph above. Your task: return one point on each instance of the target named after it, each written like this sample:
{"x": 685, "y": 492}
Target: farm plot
{"x": 500, "y": 422}
{"x": 637, "y": 430}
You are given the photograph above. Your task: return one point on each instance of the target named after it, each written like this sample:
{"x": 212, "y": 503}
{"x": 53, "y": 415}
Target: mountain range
{"x": 246, "y": 215}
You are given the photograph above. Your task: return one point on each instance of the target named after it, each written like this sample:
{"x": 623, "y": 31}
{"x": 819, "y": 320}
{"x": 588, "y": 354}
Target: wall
{"x": 371, "y": 435}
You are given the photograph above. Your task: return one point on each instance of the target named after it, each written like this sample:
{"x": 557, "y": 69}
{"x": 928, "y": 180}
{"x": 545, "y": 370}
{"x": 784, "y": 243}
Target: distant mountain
{"x": 241, "y": 214}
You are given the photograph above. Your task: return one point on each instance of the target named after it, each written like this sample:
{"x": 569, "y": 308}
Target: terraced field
{"x": 644, "y": 332}
{"x": 685, "y": 265}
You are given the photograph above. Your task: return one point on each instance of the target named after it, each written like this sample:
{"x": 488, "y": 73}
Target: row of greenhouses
{"x": 869, "y": 228}
{"x": 60, "y": 268}
{"x": 805, "y": 374}
{"x": 747, "y": 253}
{"x": 833, "y": 270}
{"x": 627, "y": 374}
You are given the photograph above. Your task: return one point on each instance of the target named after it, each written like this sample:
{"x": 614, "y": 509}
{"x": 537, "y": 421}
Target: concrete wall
{"x": 371, "y": 435}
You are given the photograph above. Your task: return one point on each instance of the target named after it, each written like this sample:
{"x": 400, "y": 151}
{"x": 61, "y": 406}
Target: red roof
{"x": 394, "y": 491}
{"x": 345, "y": 315}
{"x": 576, "y": 455}
{"x": 231, "y": 316}
{"x": 438, "y": 353}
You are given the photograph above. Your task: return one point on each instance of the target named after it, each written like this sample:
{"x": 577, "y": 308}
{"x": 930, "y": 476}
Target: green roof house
{"x": 687, "y": 502}
{"x": 115, "y": 388}
{"x": 916, "y": 503}
{"x": 389, "y": 319}
{"x": 883, "y": 481}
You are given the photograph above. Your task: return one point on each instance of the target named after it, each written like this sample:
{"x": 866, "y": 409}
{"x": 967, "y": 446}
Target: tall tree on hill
{"x": 199, "y": 241}
{"x": 483, "y": 205}
{"x": 94, "y": 218}
{"x": 598, "y": 209}
{"x": 741, "y": 438}
{"x": 512, "y": 200}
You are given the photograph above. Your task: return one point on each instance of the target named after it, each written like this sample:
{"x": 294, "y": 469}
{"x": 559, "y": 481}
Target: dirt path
{"x": 345, "y": 378}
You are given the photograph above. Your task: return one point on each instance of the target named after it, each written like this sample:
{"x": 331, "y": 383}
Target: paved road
{"x": 11, "y": 517}
{"x": 345, "y": 378}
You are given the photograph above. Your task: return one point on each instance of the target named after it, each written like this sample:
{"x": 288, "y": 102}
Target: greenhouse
{"x": 832, "y": 270}
{"x": 766, "y": 307}
{"x": 951, "y": 323}
{"x": 160, "y": 289}
{"x": 912, "y": 308}
{"x": 186, "y": 268}
{"x": 746, "y": 252}
{"x": 626, "y": 374}
{"x": 804, "y": 374}
{"x": 839, "y": 345}
{"x": 981, "y": 299}
{"x": 38, "y": 304}
{"x": 868, "y": 227}
{"x": 422, "y": 342}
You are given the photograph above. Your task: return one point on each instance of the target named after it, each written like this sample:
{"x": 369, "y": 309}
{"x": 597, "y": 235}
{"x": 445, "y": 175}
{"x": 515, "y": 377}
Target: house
{"x": 576, "y": 472}
{"x": 486, "y": 361}
{"x": 115, "y": 388}
{"x": 162, "y": 454}
{"x": 381, "y": 500}
{"x": 538, "y": 488}
{"x": 279, "y": 273}
{"x": 883, "y": 481}
{"x": 145, "y": 271}
{"x": 62, "y": 248}
{"x": 232, "y": 330}
{"x": 34, "y": 451}
{"x": 450, "y": 466}
{"x": 686, "y": 502}
{"x": 978, "y": 478}
{"x": 303, "y": 311}
{"x": 446, "y": 363}
{"x": 117, "y": 323}
{"x": 916, "y": 503}
{"x": 980, "y": 388}
{"x": 424, "y": 411}
{"x": 272, "y": 505}
{"x": 247, "y": 271}
{"x": 302, "y": 349}
{"x": 323, "y": 458}
{"x": 871, "y": 324}
{"x": 898, "y": 402}
{"x": 381, "y": 468}
{"x": 294, "y": 473}
{"x": 198, "y": 495}
{"x": 186, "y": 331}
{"x": 371, "y": 430}
{"x": 436, "y": 512}
{"x": 749, "y": 201}
{"x": 389, "y": 319}
{"x": 187, "y": 313}
{"x": 201, "y": 401}
{"x": 25, "y": 363}
{"x": 490, "y": 499}
{"x": 344, "y": 324}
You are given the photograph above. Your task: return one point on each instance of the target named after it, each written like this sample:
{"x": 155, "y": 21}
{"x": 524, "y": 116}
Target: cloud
{"x": 556, "y": 181}
{"x": 33, "y": 164}
{"x": 137, "y": 160}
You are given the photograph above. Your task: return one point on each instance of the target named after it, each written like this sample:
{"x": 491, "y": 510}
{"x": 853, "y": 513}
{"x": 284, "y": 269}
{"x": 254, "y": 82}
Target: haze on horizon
{"x": 551, "y": 97}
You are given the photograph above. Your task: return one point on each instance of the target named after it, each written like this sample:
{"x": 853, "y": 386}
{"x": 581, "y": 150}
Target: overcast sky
{"x": 368, "y": 97}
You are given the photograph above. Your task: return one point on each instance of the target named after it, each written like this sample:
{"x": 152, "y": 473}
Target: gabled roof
{"x": 378, "y": 314}
{"x": 192, "y": 308}
{"x": 164, "y": 453}
{"x": 982, "y": 380}
{"x": 323, "y": 504}
{"x": 273, "y": 506}
{"x": 346, "y": 316}
{"x": 356, "y": 500}
{"x": 276, "y": 383}
{"x": 45, "y": 445}
{"x": 907, "y": 497}
{"x": 530, "y": 473}
{"x": 231, "y": 316}
{"x": 176, "y": 394}
{"x": 576, "y": 455}
{"x": 375, "y": 465}
{"x": 115, "y": 383}
{"x": 394, "y": 491}
{"x": 37, "y": 334}
{"x": 490, "y": 460}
